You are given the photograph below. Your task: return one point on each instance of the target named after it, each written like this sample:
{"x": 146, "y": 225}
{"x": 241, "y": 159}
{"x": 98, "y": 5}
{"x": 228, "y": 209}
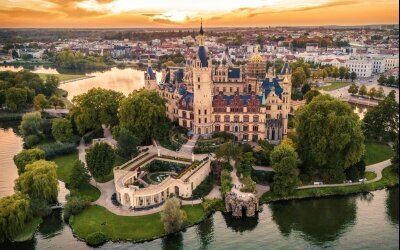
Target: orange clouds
{"x": 68, "y": 13}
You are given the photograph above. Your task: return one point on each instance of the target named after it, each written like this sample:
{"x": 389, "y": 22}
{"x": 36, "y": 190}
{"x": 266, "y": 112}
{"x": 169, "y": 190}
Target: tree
{"x": 306, "y": 87}
{"x": 79, "y": 175}
{"x": 96, "y": 107}
{"x": 372, "y": 92}
{"x": 381, "y": 121}
{"x": 362, "y": 91}
{"x": 353, "y": 76}
{"x": 39, "y": 181}
{"x": 260, "y": 39}
{"x": 324, "y": 74}
{"x": 391, "y": 81}
{"x": 284, "y": 160}
{"x": 16, "y": 99}
{"x": 329, "y": 137}
{"x": 342, "y": 72}
{"x": 335, "y": 72}
{"x": 62, "y": 130}
{"x": 356, "y": 171}
{"x": 246, "y": 164}
{"x": 172, "y": 216}
{"x": 31, "y": 124}
{"x": 56, "y": 101}
{"x": 382, "y": 79}
{"x": 310, "y": 95}
{"x": 228, "y": 152}
{"x": 100, "y": 158}
{"x": 40, "y": 102}
{"x": 27, "y": 156}
{"x": 50, "y": 85}
{"x": 301, "y": 64}
{"x": 380, "y": 93}
{"x": 127, "y": 143}
{"x": 395, "y": 158}
{"x": 353, "y": 89}
{"x": 14, "y": 212}
{"x": 299, "y": 78}
{"x": 347, "y": 75}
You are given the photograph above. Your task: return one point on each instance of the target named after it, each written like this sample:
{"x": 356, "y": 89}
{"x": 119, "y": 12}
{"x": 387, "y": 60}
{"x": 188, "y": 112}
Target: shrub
{"x": 172, "y": 216}
{"x": 249, "y": 185}
{"x": 226, "y": 182}
{"x": 96, "y": 239}
{"x": 204, "y": 188}
{"x": 212, "y": 205}
{"x": 75, "y": 205}
{"x": 31, "y": 140}
{"x": 27, "y": 156}
{"x": 39, "y": 207}
{"x": 54, "y": 149}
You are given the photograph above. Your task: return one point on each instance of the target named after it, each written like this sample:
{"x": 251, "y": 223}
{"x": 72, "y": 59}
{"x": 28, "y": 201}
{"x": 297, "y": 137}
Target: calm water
{"x": 352, "y": 222}
{"x": 123, "y": 80}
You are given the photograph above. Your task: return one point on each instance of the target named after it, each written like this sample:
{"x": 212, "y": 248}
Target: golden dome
{"x": 256, "y": 57}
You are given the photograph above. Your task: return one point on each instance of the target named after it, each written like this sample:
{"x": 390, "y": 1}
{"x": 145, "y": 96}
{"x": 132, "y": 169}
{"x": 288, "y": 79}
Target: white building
{"x": 362, "y": 67}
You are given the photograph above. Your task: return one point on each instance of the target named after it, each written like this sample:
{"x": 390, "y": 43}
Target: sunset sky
{"x": 179, "y": 13}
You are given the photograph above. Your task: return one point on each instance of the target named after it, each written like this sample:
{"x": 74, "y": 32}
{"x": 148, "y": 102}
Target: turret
{"x": 150, "y": 78}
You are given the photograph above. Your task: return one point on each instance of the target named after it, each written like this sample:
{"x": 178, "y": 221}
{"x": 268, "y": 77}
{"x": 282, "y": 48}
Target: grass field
{"x": 370, "y": 176}
{"x": 135, "y": 228}
{"x": 377, "y": 152}
{"x": 65, "y": 164}
{"x": 62, "y": 77}
{"x": 28, "y": 230}
{"x": 334, "y": 86}
{"x": 390, "y": 178}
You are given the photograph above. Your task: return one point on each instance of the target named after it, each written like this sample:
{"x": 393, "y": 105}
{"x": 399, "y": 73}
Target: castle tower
{"x": 287, "y": 91}
{"x": 150, "y": 79}
{"x": 202, "y": 88}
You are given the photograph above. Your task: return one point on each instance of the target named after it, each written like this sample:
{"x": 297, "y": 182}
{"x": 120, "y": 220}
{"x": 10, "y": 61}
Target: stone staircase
{"x": 187, "y": 148}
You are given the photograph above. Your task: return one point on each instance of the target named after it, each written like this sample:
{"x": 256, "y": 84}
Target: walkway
{"x": 376, "y": 168}
{"x": 189, "y": 145}
{"x": 264, "y": 168}
{"x": 215, "y": 193}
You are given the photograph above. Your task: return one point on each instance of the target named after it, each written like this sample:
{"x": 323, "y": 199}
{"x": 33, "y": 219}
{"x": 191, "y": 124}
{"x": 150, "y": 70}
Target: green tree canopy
{"x": 353, "y": 89}
{"x": 172, "y": 216}
{"x": 329, "y": 135}
{"x": 100, "y": 158}
{"x": 27, "y": 156}
{"x": 94, "y": 108}
{"x": 127, "y": 143}
{"x": 299, "y": 77}
{"x": 362, "y": 91}
{"x": 14, "y": 211}
{"x": 79, "y": 175}
{"x": 228, "y": 152}
{"x": 16, "y": 98}
{"x": 40, "y": 102}
{"x": 62, "y": 130}
{"x": 39, "y": 181}
{"x": 311, "y": 94}
{"x": 353, "y": 76}
{"x": 31, "y": 124}
{"x": 143, "y": 113}
{"x": 382, "y": 121}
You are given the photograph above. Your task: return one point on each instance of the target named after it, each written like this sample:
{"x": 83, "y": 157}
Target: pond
{"x": 352, "y": 222}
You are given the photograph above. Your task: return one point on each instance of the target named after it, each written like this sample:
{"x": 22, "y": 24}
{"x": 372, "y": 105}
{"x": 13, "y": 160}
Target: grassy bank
{"x": 64, "y": 170}
{"x": 132, "y": 228}
{"x": 377, "y": 152}
{"x": 334, "y": 85}
{"x": 29, "y": 230}
{"x": 62, "y": 77}
{"x": 390, "y": 178}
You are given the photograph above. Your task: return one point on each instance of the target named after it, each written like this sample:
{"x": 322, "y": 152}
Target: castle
{"x": 246, "y": 101}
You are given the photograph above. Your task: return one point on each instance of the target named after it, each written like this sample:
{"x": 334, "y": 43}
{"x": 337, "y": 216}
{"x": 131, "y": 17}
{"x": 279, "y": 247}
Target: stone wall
{"x": 235, "y": 202}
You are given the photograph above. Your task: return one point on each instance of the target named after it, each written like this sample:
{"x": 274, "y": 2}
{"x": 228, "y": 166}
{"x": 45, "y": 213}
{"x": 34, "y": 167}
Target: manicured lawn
{"x": 29, "y": 230}
{"x": 334, "y": 86}
{"x": 62, "y": 77}
{"x": 377, "y": 152}
{"x": 65, "y": 164}
{"x": 370, "y": 176}
{"x": 390, "y": 178}
{"x": 135, "y": 228}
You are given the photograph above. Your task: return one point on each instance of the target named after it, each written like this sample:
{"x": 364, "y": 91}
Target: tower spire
{"x": 201, "y": 27}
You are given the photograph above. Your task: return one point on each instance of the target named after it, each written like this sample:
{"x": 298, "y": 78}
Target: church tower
{"x": 287, "y": 91}
{"x": 202, "y": 88}
{"x": 150, "y": 79}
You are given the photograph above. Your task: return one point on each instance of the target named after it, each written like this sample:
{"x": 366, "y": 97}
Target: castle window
{"x": 224, "y": 89}
{"x": 255, "y": 118}
{"x": 246, "y": 118}
{"x": 191, "y": 116}
{"x": 279, "y": 107}
{"x": 268, "y": 107}
{"x": 184, "y": 123}
{"x": 231, "y": 89}
{"x": 226, "y": 118}
{"x": 184, "y": 114}
{"x": 205, "y": 120}
{"x": 198, "y": 80}
{"x": 198, "y": 86}
{"x": 246, "y": 128}
{"x": 236, "y": 118}
{"x": 255, "y": 128}
{"x": 217, "y": 118}
{"x": 226, "y": 128}
{"x": 217, "y": 128}
{"x": 199, "y": 112}
{"x": 205, "y": 111}
{"x": 199, "y": 120}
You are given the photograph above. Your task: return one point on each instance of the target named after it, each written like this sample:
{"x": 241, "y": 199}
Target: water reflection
{"x": 319, "y": 220}
{"x": 33, "y": 68}
{"x": 240, "y": 225}
{"x": 174, "y": 241}
{"x": 392, "y": 205}
{"x": 205, "y": 232}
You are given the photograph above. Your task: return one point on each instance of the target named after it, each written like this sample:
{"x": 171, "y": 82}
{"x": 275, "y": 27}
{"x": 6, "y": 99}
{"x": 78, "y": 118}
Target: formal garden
{"x": 209, "y": 145}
